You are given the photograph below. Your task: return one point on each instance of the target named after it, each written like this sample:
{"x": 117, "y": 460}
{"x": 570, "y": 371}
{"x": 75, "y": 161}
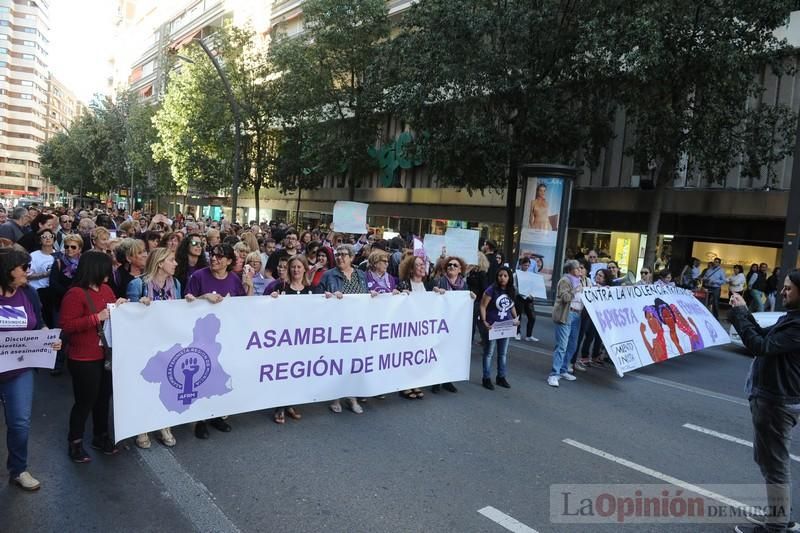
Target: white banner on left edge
{"x": 199, "y": 361}
{"x": 28, "y": 349}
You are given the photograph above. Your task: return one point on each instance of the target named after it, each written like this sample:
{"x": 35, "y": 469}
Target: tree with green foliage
{"x": 494, "y": 85}
{"x": 328, "y": 95}
{"x": 683, "y": 72}
{"x": 195, "y": 126}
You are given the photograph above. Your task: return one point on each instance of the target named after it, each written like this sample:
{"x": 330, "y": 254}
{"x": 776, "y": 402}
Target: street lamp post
{"x": 792, "y": 228}
{"x": 237, "y": 120}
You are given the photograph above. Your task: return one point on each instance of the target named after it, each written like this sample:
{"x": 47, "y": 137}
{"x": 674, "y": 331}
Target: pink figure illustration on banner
{"x": 658, "y": 349}
{"x": 668, "y": 318}
{"x": 688, "y": 326}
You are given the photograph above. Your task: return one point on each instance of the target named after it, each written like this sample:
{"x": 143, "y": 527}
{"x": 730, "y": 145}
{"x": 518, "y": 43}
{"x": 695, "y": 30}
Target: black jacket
{"x": 775, "y": 372}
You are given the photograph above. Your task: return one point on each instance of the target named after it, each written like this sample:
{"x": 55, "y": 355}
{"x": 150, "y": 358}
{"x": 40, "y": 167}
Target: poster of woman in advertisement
{"x": 539, "y": 218}
{"x": 542, "y": 210}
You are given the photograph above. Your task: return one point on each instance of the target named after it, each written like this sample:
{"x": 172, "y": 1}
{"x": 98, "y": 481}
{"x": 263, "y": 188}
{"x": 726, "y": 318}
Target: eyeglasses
{"x": 342, "y": 254}
{"x": 453, "y": 265}
{"x": 645, "y": 272}
{"x": 218, "y": 255}
{"x": 195, "y": 243}
{"x": 26, "y": 267}
{"x": 71, "y": 247}
{"x": 47, "y": 236}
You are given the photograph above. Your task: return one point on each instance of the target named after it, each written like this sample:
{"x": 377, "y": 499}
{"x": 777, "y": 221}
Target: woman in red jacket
{"x": 83, "y": 311}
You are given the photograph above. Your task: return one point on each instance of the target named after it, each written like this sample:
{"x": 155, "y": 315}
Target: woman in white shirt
{"x": 39, "y": 273}
{"x": 737, "y": 282}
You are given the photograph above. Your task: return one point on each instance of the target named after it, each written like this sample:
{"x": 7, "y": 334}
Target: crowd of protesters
{"x": 63, "y": 267}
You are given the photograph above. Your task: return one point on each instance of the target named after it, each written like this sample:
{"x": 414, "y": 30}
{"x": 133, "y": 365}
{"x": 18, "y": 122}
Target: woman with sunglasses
{"x": 296, "y": 283}
{"x": 214, "y": 283}
{"x": 646, "y": 277}
{"x": 62, "y": 277}
{"x": 158, "y": 283}
{"x": 39, "y": 275}
{"x": 452, "y": 280}
{"x": 378, "y": 279}
{"x": 16, "y": 386}
{"x": 83, "y": 312}
{"x": 252, "y": 265}
{"x": 338, "y": 281}
{"x": 190, "y": 258}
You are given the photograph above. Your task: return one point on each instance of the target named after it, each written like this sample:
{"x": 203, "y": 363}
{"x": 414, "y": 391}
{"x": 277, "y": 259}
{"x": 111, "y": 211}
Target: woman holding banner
{"x": 338, "y": 281}
{"x": 213, "y": 283}
{"x": 16, "y": 386}
{"x": 83, "y": 312}
{"x": 567, "y": 316}
{"x": 296, "y": 284}
{"x": 158, "y": 283}
{"x": 497, "y": 305}
{"x": 452, "y": 280}
{"x": 413, "y": 278}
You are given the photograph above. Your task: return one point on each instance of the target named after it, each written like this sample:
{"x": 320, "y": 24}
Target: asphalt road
{"x": 409, "y": 466}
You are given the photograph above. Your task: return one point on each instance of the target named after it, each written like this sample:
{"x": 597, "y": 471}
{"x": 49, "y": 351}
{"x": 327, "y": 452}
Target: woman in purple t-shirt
{"x": 213, "y": 284}
{"x": 497, "y": 305}
{"x": 20, "y": 310}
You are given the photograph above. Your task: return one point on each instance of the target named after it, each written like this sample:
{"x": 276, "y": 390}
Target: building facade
{"x": 24, "y": 80}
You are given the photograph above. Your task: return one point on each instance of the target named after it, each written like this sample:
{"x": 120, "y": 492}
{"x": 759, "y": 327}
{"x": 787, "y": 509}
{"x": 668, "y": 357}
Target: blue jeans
{"x": 502, "y": 357}
{"x": 17, "y": 398}
{"x": 757, "y": 305}
{"x": 566, "y": 343}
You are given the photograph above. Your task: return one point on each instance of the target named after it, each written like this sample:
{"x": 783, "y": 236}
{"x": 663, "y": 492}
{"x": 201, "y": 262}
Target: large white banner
{"x": 645, "y": 324}
{"x": 177, "y": 362}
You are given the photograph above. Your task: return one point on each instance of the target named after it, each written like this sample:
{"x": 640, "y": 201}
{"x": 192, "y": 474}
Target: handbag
{"x": 107, "y": 353}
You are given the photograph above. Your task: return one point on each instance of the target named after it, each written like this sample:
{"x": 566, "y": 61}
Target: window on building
{"x": 29, "y": 30}
{"x": 29, "y": 43}
{"x": 4, "y": 9}
{"x": 25, "y": 96}
{"x": 27, "y": 83}
{"x": 29, "y": 57}
{"x": 3, "y": 36}
{"x": 3, "y": 64}
{"x": 5, "y": 23}
{"x": 4, "y": 51}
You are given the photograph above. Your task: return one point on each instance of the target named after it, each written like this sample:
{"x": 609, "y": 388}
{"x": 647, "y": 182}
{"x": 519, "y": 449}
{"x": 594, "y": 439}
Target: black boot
{"x": 77, "y": 453}
{"x": 487, "y": 384}
{"x": 502, "y": 382}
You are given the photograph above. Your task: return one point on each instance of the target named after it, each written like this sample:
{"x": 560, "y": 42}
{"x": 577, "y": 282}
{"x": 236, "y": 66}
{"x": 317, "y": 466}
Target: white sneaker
{"x": 552, "y": 381}
{"x": 568, "y": 376}
{"x": 27, "y": 482}
{"x": 532, "y": 339}
{"x": 517, "y": 336}
{"x": 570, "y": 369}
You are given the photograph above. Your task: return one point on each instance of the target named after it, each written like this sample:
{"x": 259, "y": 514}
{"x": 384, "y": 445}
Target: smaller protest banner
{"x": 434, "y": 245}
{"x": 463, "y": 243}
{"x": 28, "y": 349}
{"x": 503, "y": 330}
{"x": 531, "y": 284}
{"x": 645, "y": 324}
{"x": 350, "y": 217}
{"x": 419, "y": 248}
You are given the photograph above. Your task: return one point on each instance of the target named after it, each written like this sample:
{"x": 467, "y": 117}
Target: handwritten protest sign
{"x": 595, "y": 268}
{"x": 531, "y": 284}
{"x": 213, "y": 360}
{"x": 645, "y": 324}
{"x": 503, "y": 330}
{"x": 28, "y": 349}
{"x": 463, "y": 243}
{"x": 350, "y": 217}
{"x": 434, "y": 244}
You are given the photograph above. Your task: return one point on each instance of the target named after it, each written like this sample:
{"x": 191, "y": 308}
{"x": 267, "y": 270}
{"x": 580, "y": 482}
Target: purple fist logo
{"x": 183, "y": 372}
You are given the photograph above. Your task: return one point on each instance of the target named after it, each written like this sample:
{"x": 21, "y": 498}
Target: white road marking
{"x": 730, "y": 438}
{"x": 505, "y": 521}
{"x": 660, "y": 381}
{"x": 190, "y": 495}
{"x": 663, "y": 477}
{"x": 689, "y": 388}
